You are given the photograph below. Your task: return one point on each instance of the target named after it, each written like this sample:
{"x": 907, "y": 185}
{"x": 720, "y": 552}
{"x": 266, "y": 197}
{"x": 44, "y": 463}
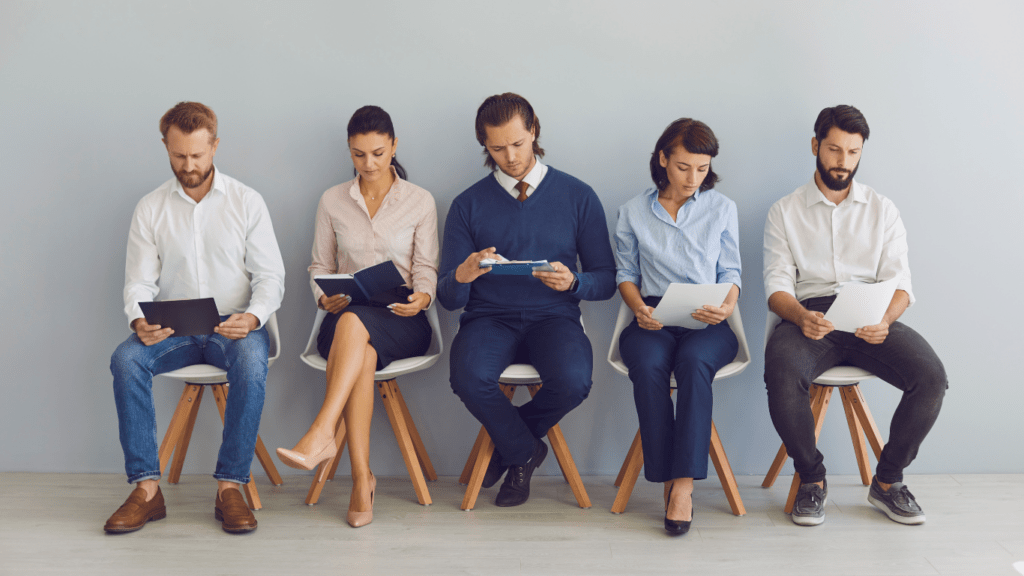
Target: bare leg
{"x": 358, "y": 414}
{"x": 223, "y": 485}
{"x": 680, "y": 504}
{"x": 344, "y": 366}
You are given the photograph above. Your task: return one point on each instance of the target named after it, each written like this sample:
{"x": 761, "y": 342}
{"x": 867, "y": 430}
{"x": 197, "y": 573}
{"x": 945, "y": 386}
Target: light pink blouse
{"x": 403, "y": 230}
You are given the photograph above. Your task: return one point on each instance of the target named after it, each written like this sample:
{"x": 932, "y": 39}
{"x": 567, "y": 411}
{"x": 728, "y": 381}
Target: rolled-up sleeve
{"x": 779, "y": 264}
{"x": 627, "y": 250}
{"x": 894, "y": 262}
{"x": 263, "y": 262}
{"x": 425, "y": 251}
{"x": 729, "y": 269}
{"x": 142, "y": 264}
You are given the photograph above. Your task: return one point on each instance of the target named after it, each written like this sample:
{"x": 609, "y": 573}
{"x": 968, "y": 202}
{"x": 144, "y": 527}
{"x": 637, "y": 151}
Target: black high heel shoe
{"x": 677, "y": 527}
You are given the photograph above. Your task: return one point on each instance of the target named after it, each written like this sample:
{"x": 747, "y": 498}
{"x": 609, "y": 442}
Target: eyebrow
{"x": 699, "y": 165}
{"x": 380, "y": 149}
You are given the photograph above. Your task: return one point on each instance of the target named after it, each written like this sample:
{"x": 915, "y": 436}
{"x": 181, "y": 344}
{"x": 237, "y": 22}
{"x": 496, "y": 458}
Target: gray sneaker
{"x": 897, "y": 502}
{"x": 809, "y": 506}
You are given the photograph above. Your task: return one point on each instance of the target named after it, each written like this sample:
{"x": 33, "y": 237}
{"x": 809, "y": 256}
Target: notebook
{"x": 362, "y": 285}
{"x": 196, "y": 317}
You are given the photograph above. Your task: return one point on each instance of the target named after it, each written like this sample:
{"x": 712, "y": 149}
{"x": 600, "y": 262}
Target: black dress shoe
{"x": 494, "y": 470}
{"x": 677, "y": 527}
{"x": 515, "y": 490}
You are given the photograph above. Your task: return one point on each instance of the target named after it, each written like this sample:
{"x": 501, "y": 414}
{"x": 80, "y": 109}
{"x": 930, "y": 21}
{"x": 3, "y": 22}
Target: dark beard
{"x": 831, "y": 183}
{"x": 190, "y": 180}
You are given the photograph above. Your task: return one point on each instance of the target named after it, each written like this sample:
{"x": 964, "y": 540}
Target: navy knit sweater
{"x": 562, "y": 220}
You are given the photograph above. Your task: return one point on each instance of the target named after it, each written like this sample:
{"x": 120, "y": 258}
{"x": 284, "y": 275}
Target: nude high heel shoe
{"x": 302, "y": 461}
{"x": 357, "y": 519}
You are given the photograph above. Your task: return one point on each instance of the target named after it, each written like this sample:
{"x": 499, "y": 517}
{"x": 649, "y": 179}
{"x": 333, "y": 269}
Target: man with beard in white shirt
{"x": 201, "y": 234}
{"x": 830, "y": 232}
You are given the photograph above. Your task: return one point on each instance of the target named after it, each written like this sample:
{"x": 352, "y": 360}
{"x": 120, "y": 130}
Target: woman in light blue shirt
{"x": 680, "y": 231}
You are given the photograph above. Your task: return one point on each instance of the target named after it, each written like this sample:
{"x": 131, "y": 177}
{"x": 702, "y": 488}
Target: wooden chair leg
{"x": 174, "y": 475}
{"x": 568, "y": 466}
{"x": 782, "y": 455}
{"x": 476, "y": 477}
{"x": 327, "y": 467}
{"x": 467, "y": 470}
{"x": 268, "y": 464}
{"x": 220, "y": 395}
{"x": 860, "y": 407}
{"x": 860, "y": 448}
{"x": 820, "y": 396}
{"x": 177, "y": 425}
{"x": 404, "y": 438}
{"x": 628, "y": 475}
{"x": 629, "y": 459}
{"x": 565, "y": 460}
{"x": 417, "y": 442}
{"x": 725, "y": 475}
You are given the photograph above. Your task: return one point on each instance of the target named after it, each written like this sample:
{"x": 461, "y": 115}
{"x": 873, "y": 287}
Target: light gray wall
{"x": 83, "y": 84}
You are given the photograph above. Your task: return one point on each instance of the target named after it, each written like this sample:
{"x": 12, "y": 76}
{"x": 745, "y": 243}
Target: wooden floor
{"x": 52, "y": 524}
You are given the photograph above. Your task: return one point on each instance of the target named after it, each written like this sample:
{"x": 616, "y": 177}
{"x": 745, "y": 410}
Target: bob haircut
{"x": 846, "y": 118}
{"x": 499, "y": 110}
{"x": 369, "y": 119}
{"x": 189, "y": 117}
{"x": 691, "y": 134}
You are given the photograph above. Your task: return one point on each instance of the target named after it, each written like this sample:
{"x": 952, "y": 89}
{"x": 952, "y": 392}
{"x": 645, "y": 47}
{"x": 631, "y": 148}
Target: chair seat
{"x": 199, "y": 374}
{"x": 519, "y": 374}
{"x": 843, "y": 376}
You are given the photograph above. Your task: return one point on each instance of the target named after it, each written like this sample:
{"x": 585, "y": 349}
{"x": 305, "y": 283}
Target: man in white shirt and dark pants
{"x": 830, "y": 232}
{"x": 201, "y": 234}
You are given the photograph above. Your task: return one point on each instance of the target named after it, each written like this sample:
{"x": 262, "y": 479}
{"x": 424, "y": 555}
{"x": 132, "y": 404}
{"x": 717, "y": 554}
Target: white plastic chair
{"x": 179, "y": 431}
{"x": 513, "y": 376}
{"x": 630, "y": 470}
{"x": 858, "y": 417}
{"x": 417, "y": 462}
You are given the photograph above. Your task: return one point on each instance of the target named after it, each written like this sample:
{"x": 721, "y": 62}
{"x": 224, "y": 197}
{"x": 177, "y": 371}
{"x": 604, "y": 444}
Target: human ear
{"x": 662, "y": 159}
{"x": 814, "y": 146}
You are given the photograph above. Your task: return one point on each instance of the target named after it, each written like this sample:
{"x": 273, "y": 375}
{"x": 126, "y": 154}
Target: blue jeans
{"x": 134, "y": 364}
{"x": 905, "y": 360}
{"x": 555, "y": 345}
{"x": 675, "y": 446}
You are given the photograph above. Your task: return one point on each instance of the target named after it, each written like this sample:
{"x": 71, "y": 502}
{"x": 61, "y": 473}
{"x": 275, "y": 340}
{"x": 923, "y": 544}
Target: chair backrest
{"x": 311, "y": 356}
{"x": 208, "y": 374}
{"x": 737, "y": 366}
{"x": 834, "y": 376}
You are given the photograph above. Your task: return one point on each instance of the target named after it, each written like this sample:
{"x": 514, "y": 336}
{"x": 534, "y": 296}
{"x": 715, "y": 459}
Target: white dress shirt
{"x": 813, "y": 247}
{"x": 223, "y": 246}
{"x": 532, "y": 179}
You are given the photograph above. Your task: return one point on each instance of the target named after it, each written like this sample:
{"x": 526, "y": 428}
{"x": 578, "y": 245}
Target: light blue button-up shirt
{"x": 700, "y": 247}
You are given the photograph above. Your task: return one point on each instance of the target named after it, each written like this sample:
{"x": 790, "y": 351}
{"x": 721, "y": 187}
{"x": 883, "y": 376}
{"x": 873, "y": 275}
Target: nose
{"x": 189, "y": 164}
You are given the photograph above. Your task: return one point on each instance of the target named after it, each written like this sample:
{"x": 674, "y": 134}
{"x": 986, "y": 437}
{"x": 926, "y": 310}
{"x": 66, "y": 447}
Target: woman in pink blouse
{"x": 375, "y": 217}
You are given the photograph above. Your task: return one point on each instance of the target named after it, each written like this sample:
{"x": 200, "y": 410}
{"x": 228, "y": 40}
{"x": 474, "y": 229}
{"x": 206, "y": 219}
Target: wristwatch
{"x": 575, "y": 283}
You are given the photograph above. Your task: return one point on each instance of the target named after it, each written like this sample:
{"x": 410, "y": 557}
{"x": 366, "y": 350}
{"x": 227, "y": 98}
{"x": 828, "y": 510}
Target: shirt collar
{"x": 812, "y": 195}
{"x": 218, "y": 184}
{"x": 533, "y": 178}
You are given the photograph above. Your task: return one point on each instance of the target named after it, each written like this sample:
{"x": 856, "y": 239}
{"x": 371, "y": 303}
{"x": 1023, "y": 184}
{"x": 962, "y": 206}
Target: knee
{"x": 469, "y": 381}
{"x": 931, "y": 379}
{"x": 127, "y": 359}
{"x": 571, "y": 385}
{"x": 251, "y": 357}
{"x": 350, "y": 327}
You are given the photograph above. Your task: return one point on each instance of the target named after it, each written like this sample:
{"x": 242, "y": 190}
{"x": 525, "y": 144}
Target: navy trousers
{"x": 675, "y": 446}
{"x": 554, "y": 344}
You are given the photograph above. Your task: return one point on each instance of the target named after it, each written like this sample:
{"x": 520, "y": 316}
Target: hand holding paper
{"x": 861, "y": 305}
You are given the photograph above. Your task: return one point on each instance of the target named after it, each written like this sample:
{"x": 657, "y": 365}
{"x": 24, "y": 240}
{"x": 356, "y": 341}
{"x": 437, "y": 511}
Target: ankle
{"x": 149, "y": 487}
{"x": 885, "y": 487}
{"x": 223, "y": 485}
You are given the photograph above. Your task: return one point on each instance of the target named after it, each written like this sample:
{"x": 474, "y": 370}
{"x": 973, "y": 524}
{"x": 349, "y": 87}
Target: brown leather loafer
{"x": 135, "y": 512}
{"x": 234, "y": 513}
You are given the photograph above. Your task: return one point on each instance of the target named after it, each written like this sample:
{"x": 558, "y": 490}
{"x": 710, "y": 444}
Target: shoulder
{"x": 235, "y": 189}
{"x": 873, "y": 198}
{"x": 795, "y": 200}
{"x": 153, "y": 201}
{"x": 414, "y": 193}
{"x": 337, "y": 192}
{"x": 719, "y": 201}
{"x": 637, "y": 205}
{"x": 476, "y": 192}
{"x": 568, "y": 182}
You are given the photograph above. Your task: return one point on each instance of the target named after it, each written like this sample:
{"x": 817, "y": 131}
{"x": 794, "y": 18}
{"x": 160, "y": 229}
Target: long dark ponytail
{"x": 374, "y": 119}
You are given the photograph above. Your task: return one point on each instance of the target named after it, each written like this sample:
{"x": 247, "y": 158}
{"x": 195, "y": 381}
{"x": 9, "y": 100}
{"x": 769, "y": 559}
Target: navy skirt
{"x": 393, "y": 337}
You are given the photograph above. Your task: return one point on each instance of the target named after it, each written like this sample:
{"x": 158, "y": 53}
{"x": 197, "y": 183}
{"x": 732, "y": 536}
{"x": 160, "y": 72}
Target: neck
{"x": 833, "y": 196}
{"x": 199, "y": 192}
{"x": 675, "y": 195}
{"x": 378, "y": 188}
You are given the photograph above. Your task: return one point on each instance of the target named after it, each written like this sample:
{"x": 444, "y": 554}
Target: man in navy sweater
{"x": 524, "y": 210}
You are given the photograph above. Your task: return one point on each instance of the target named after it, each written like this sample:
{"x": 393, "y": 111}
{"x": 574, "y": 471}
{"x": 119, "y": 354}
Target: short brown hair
{"x": 189, "y": 117}
{"x": 499, "y": 110}
{"x": 696, "y": 138}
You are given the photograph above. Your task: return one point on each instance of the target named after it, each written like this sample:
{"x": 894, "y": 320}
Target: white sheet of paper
{"x": 859, "y": 305}
{"x": 681, "y": 300}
